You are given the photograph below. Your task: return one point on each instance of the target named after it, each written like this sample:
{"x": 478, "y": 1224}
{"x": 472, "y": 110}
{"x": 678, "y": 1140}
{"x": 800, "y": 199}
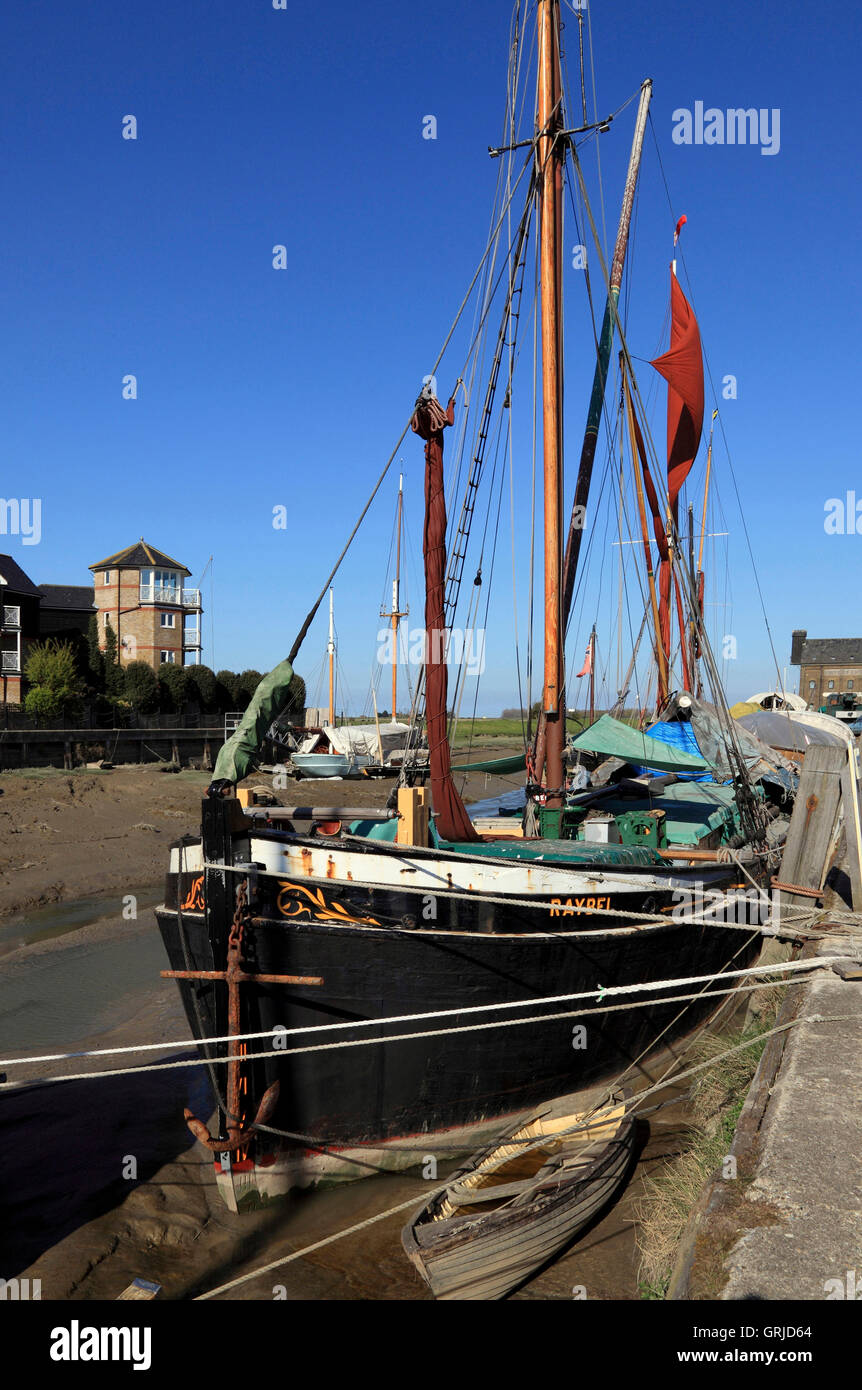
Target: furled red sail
{"x": 682, "y": 368}
{"x": 429, "y": 421}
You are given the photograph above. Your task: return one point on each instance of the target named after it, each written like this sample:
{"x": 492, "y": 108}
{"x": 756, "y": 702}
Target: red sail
{"x": 682, "y": 368}
{"x": 429, "y": 421}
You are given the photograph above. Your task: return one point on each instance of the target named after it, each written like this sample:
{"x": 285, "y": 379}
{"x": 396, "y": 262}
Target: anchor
{"x": 239, "y": 1135}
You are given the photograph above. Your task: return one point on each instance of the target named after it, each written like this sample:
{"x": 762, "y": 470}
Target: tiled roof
{"x": 67, "y": 596}
{"x": 140, "y": 556}
{"x": 831, "y": 651}
{"x": 15, "y": 578}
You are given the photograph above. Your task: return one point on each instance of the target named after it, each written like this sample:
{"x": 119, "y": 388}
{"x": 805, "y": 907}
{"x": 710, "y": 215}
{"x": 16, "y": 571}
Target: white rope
{"x": 396, "y": 1037}
{"x": 436, "y": 1191}
{"x": 600, "y": 993}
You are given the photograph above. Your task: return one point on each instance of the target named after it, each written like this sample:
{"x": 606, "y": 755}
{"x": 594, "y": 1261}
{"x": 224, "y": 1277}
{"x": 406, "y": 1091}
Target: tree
{"x": 203, "y": 686}
{"x": 113, "y": 670}
{"x": 175, "y": 685}
{"x": 227, "y": 680}
{"x": 41, "y": 703}
{"x": 141, "y": 686}
{"x": 95, "y": 660}
{"x": 52, "y": 673}
{"x": 246, "y": 684}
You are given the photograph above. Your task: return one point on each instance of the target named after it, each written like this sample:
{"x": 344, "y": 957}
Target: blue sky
{"x": 259, "y": 388}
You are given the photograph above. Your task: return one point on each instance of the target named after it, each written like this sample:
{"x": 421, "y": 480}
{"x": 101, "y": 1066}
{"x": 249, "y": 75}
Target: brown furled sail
{"x": 429, "y": 421}
{"x": 682, "y": 368}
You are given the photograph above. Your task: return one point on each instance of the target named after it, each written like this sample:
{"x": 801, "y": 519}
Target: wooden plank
{"x": 812, "y": 824}
{"x": 852, "y": 826}
{"x": 412, "y": 817}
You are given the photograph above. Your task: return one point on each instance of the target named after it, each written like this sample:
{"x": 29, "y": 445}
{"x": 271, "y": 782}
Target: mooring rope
{"x": 436, "y": 1191}
{"x": 600, "y": 993}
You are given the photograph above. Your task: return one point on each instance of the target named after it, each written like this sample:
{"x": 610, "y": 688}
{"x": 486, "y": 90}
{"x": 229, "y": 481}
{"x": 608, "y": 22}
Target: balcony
{"x": 11, "y": 665}
{"x": 191, "y": 638}
{"x": 11, "y": 617}
{"x": 162, "y": 593}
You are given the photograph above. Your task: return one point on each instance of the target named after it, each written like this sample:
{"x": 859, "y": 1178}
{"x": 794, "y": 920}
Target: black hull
{"x": 363, "y": 1095}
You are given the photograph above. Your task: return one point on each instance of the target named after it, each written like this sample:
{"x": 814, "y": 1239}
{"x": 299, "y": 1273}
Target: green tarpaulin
{"x": 238, "y": 755}
{"x": 617, "y": 740}
{"x": 517, "y": 763}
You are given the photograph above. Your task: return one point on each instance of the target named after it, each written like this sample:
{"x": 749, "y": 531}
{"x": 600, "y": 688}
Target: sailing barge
{"x": 446, "y": 969}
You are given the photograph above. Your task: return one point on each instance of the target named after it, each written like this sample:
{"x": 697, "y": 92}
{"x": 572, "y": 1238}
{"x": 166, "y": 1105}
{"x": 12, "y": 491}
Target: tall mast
{"x": 600, "y": 375}
{"x": 594, "y": 414}
{"x": 330, "y": 647}
{"x": 550, "y": 184}
{"x": 396, "y": 613}
{"x": 396, "y": 596}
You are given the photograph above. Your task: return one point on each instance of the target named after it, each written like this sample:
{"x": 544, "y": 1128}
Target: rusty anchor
{"x": 239, "y": 1134}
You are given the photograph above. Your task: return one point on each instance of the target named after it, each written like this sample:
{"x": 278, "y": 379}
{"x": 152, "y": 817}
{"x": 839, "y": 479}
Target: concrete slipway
{"x": 790, "y": 1225}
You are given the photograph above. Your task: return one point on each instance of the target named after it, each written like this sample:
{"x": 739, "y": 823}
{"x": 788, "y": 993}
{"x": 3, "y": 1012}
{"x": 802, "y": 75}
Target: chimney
{"x": 797, "y": 642}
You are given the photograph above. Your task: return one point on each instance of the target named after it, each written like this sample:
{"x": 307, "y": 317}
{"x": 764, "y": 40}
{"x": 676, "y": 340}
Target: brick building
{"x": 140, "y": 593}
{"x": 19, "y": 626}
{"x": 827, "y": 665}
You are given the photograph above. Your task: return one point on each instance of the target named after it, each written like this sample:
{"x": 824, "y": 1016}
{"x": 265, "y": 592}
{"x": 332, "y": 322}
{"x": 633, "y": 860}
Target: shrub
{"x": 51, "y": 667}
{"x": 227, "y": 680}
{"x": 174, "y": 681}
{"x": 141, "y": 686}
{"x": 203, "y": 685}
{"x": 42, "y": 703}
{"x": 246, "y": 684}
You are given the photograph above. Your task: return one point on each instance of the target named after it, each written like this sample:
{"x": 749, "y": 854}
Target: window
{"x": 830, "y": 685}
{"x": 168, "y": 619}
{"x": 849, "y": 685}
{"x": 107, "y": 621}
{"x": 167, "y": 658}
{"x": 811, "y": 685}
{"x": 107, "y": 577}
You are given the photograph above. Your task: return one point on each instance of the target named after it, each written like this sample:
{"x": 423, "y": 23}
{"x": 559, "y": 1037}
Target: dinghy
{"x": 515, "y": 1205}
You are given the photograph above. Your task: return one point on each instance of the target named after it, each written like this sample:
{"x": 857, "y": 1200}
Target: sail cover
{"x": 618, "y": 740}
{"x": 238, "y": 756}
{"x": 429, "y": 421}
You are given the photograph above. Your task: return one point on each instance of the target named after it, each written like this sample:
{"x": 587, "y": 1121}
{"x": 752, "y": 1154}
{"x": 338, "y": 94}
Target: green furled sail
{"x": 517, "y": 763}
{"x": 272, "y": 697}
{"x": 618, "y": 740}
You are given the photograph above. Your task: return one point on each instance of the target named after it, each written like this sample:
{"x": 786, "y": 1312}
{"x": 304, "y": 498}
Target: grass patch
{"x": 717, "y": 1098}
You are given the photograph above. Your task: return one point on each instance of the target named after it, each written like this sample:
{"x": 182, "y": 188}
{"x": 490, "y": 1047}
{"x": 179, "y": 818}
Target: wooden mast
{"x": 396, "y": 613}
{"x": 550, "y": 183}
{"x": 330, "y": 647}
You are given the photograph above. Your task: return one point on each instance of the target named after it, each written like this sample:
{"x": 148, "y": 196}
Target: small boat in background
{"x": 515, "y": 1205}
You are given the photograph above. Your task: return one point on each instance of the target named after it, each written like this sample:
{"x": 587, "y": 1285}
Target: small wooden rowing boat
{"x": 515, "y": 1205}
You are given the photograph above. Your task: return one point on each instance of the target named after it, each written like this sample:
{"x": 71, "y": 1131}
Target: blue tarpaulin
{"x": 678, "y": 735}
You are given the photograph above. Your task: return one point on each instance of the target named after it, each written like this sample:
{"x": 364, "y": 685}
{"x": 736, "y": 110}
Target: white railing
{"x": 191, "y": 637}
{"x": 10, "y": 664}
{"x": 11, "y": 616}
{"x": 170, "y": 593}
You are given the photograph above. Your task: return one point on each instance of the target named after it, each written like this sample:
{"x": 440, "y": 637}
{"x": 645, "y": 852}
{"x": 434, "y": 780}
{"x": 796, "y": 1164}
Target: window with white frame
{"x": 107, "y": 621}
{"x": 168, "y": 619}
{"x": 107, "y": 577}
{"x": 831, "y": 685}
{"x": 168, "y": 658}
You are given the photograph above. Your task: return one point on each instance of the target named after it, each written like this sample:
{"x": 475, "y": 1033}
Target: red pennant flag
{"x": 588, "y": 661}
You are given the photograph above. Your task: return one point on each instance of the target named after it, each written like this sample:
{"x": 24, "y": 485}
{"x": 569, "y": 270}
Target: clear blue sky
{"x": 259, "y": 387}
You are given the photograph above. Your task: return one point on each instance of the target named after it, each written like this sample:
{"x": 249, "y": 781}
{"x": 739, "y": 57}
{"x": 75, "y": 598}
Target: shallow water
{"x": 56, "y": 919}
